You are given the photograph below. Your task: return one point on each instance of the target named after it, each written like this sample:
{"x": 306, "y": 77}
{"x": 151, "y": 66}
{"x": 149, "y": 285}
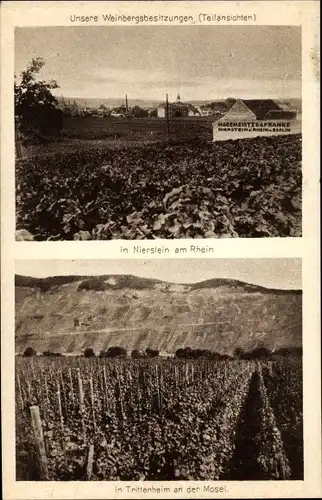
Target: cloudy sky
{"x": 274, "y": 273}
{"x": 199, "y": 62}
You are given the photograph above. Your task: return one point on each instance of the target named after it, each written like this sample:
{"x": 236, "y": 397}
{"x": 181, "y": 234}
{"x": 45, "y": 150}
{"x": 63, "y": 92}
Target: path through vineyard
{"x": 247, "y": 463}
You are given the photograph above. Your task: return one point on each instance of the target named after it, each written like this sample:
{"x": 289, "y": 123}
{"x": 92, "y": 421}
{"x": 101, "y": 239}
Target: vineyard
{"x": 96, "y": 419}
{"x": 241, "y": 188}
{"x": 147, "y": 129}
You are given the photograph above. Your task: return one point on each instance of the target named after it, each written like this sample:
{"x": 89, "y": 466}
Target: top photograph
{"x": 158, "y": 132}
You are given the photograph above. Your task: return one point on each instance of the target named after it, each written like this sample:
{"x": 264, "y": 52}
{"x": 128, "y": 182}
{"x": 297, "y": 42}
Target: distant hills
{"x": 94, "y": 102}
{"x": 70, "y": 313}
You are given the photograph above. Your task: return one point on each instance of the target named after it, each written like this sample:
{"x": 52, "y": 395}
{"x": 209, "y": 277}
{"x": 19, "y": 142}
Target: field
{"x": 160, "y": 419}
{"x": 133, "y": 129}
{"x": 187, "y": 189}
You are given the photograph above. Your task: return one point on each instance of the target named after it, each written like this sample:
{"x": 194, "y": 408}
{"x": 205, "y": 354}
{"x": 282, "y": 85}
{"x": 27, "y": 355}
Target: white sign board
{"x": 241, "y": 129}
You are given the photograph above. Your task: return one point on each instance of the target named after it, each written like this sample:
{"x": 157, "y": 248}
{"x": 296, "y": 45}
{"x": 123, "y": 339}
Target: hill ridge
{"x": 134, "y": 280}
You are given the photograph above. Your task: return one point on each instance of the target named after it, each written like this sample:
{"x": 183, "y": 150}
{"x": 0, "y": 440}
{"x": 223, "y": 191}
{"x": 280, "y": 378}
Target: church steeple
{"x": 178, "y": 98}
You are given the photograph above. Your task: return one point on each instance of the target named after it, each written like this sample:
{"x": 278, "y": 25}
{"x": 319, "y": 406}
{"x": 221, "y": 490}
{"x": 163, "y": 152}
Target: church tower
{"x": 178, "y": 98}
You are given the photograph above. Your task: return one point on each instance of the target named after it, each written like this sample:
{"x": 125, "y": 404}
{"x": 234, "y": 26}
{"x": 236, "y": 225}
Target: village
{"x": 229, "y": 118}
{"x": 177, "y": 108}
{"x": 182, "y": 109}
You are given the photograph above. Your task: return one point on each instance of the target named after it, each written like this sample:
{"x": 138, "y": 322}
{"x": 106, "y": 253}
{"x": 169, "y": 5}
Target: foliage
{"x": 151, "y": 353}
{"x": 114, "y": 352}
{"x": 29, "y": 352}
{"x": 271, "y": 453}
{"x": 242, "y": 188}
{"x": 188, "y": 353}
{"x": 161, "y": 419}
{"x": 93, "y": 284}
{"x": 282, "y": 380}
{"x": 239, "y": 352}
{"x": 257, "y": 353}
{"x": 35, "y": 106}
{"x": 138, "y": 112}
{"x": 136, "y": 354}
{"x": 289, "y": 351}
{"x": 89, "y": 353}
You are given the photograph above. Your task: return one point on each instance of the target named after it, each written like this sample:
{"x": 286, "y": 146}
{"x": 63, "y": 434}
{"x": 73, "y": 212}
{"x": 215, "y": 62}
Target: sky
{"x": 271, "y": 273}
{"x": 199, "y": 62}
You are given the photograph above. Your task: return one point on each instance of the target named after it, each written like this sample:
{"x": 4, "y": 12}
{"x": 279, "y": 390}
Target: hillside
{"x": 69, "y": 313}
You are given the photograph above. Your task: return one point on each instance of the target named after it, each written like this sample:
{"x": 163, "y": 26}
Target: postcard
{"x": 160, "y": 250}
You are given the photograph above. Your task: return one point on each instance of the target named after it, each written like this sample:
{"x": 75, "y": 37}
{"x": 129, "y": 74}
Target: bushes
{"x": 289, "y": 351}
{"x": 188, "y": 353}
{"x": 262, "y": 352}
{"x": 36, "y": 112}
{"x": 114, "y": 352}
{"x": 148, "y": 353}
{"x": 183, "y": 353}
{"x": 151, "y": 353}
{"x": 95, "y": 284}
{"x": 258, "y": 353}
{"x": 29, "y": 352}
{"x": 136, "y": 354}
{"x": 89, "y": 353}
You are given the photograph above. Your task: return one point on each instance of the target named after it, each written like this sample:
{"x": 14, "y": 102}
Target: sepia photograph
{"x": 158, "y": 132}
{"x": 158, "y": 370}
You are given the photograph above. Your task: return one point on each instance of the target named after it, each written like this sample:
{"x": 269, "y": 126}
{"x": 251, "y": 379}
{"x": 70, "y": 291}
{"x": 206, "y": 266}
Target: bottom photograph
{"x": 178, "y": 369}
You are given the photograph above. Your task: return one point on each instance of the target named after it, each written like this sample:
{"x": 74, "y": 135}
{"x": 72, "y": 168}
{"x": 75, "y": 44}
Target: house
{"x": 255, "y": 117}
{"x": 193, "y": 111}
{"x": 119, "y": 112}
{"x": 258, "y": 109}
{"x": 205, "y": 110}
{"x": 161, "y": 111}
{"x": 176, "y": 109}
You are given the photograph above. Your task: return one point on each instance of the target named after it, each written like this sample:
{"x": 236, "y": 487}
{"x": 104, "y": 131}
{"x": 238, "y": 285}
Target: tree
{"x": 139, "y": 112}
{"x": 29, "y": 352}
{"x": 185, "y": 353}
{"x": 230, "y": 102}
{"x": 36, "y": 112}
{"x": 258, "y": 353}
{"x": 51, "y": 354}
{"x": 136, "y": 354}
{"x": 151, "y": 353}
{"x": 289, "y": 351}
{"x": 116, "y": 352}
{"x": 239, "y": 352}
{"x": 89, "y": 353}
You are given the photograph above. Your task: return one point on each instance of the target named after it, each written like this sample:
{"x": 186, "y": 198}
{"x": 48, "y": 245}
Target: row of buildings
{"x": 177, "y": 108}
{"x": 232, "y": 118}
{"x": 183, "y": 109}
{"x": 246, "y": 109}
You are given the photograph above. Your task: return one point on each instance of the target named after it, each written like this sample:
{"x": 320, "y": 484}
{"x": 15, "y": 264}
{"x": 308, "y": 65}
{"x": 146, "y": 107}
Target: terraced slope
{"x": 68, "y": 314}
